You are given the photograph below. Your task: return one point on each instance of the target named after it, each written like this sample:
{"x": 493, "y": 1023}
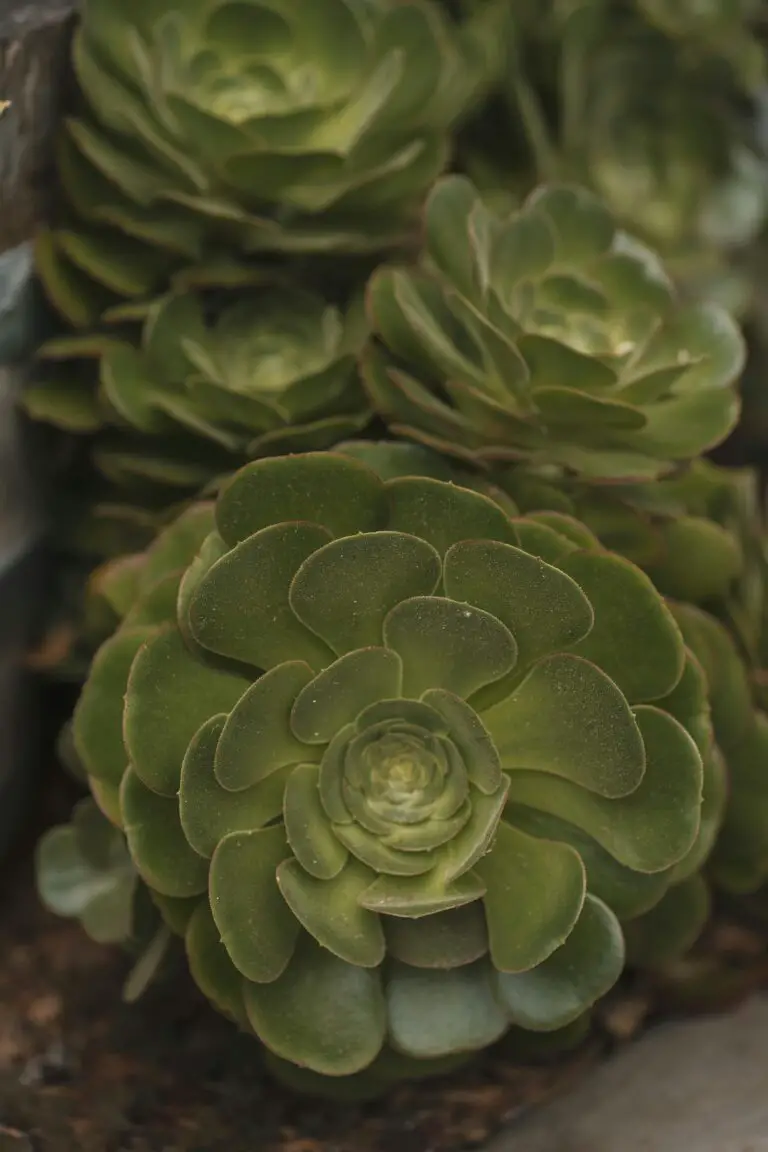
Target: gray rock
{"x": 698, "y": 1086}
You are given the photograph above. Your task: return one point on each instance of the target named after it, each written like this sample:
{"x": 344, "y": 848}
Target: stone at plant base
{"x": 697, "y": 1086}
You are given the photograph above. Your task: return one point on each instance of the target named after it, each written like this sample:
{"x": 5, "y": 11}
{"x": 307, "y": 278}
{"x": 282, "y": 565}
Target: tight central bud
{"x": 400, "y": 768}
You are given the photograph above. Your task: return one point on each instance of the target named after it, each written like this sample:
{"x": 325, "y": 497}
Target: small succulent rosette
{"x": 548, "y": 336}
{"x": 213, "y": 381}
{"x": 396, "y": 763}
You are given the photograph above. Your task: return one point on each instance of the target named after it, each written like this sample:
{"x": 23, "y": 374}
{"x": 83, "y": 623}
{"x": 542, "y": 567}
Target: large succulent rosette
{"x": 219, "y": 127}
{"x": 398, "y": 763}
{"x": 547, "y": 336}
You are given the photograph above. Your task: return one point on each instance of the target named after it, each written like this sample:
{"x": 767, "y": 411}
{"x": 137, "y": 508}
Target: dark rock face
{"x": 34, "y": 71}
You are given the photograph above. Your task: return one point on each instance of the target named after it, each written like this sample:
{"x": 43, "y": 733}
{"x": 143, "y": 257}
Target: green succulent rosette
{"x": 218, "y": 127}
{"x": 686, "y": 170}
{"x": 398, "y": 761}
{"x": 700, "y": 538}
{"x": 268, "y": 372}
{"x": 642, "y": 520}
{"x": 654, "y": 106}
{"x": 666, "y": 127}
{"x": 549, "y": 337}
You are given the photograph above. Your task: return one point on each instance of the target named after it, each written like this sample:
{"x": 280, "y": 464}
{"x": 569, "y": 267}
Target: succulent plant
{"x": 696, "y": 534}
{"x": 219, "y": 128}
{"x": 241, "y": 379}
{"x": 85, "y": 871}
{"x": 739, "y": 862}
{"x": 547, "y": 336}
{"x": 724, "y": 29}
{"x": 408, "y": 758}
{"x": 683, "y": 177}
{"x": 700, "y": 536}
{"x": 655, "y": 106}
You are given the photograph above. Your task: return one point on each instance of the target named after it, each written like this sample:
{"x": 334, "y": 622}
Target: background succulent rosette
{"x": 395, "y": 763}
{"x": 547, "y": 335}
{"x": 217, "y": 129}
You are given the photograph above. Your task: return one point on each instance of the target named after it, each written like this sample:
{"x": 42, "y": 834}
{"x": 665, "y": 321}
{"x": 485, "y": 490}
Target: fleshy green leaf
{"x": 730, "y": 695}
{"x": 417, "y": 896}
{"x": 308, "y": 828}
{"x": 568, "y": 527}
{"x": 542, "y": 607}
{"x": 559, "y": 989}
{"x": 444, "y": 940}
{"x": 107, "y": 797}
{"x": 647, "y": 630}
{"x": 257, "y": 739}
{"x": 470, "y": 736}
{"x": 448, "y": 210}
{"x": 449, "y": 645}
{"x": 666, "y": 932}
{"x": 739, "y": 862}
{"x": 336, "y": 696}
{"x": 256, "y": 925}
{"x": 210, "y": 965}
{"x": 176, "y": 911}
{"x": 543, "y": 541}
{"x": 461, "y": 853}
{"x": 241, "y": 609}
{"x": 158, "y": 845}
{"x": 654, "y": 826}
{"x": 330, "y": 911}
{"x": 98, "y": 718}
{"x": 147, "y": 968}
{"x": 322, "y": 1013}
{"x": 209, "y": 812}
{"x": 568, "y": 719}
{"x": 433, "y": 1013}
{"x": 626, "y": 893}
{"x": 157, "y": 606}
{"x": 378, "y": 856}
{"x": 211, "y": 550}
{"x": 101, "y": 894}
{"x": 699, "y": 560}
{"x": 534, "y": 895}
{"x": 442, "y": 514}
{"x": 176, "y": 547}
{"x": 344, "y": 591}
{"x": 170, "y": 695}
{"x": 323, "y": 488}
